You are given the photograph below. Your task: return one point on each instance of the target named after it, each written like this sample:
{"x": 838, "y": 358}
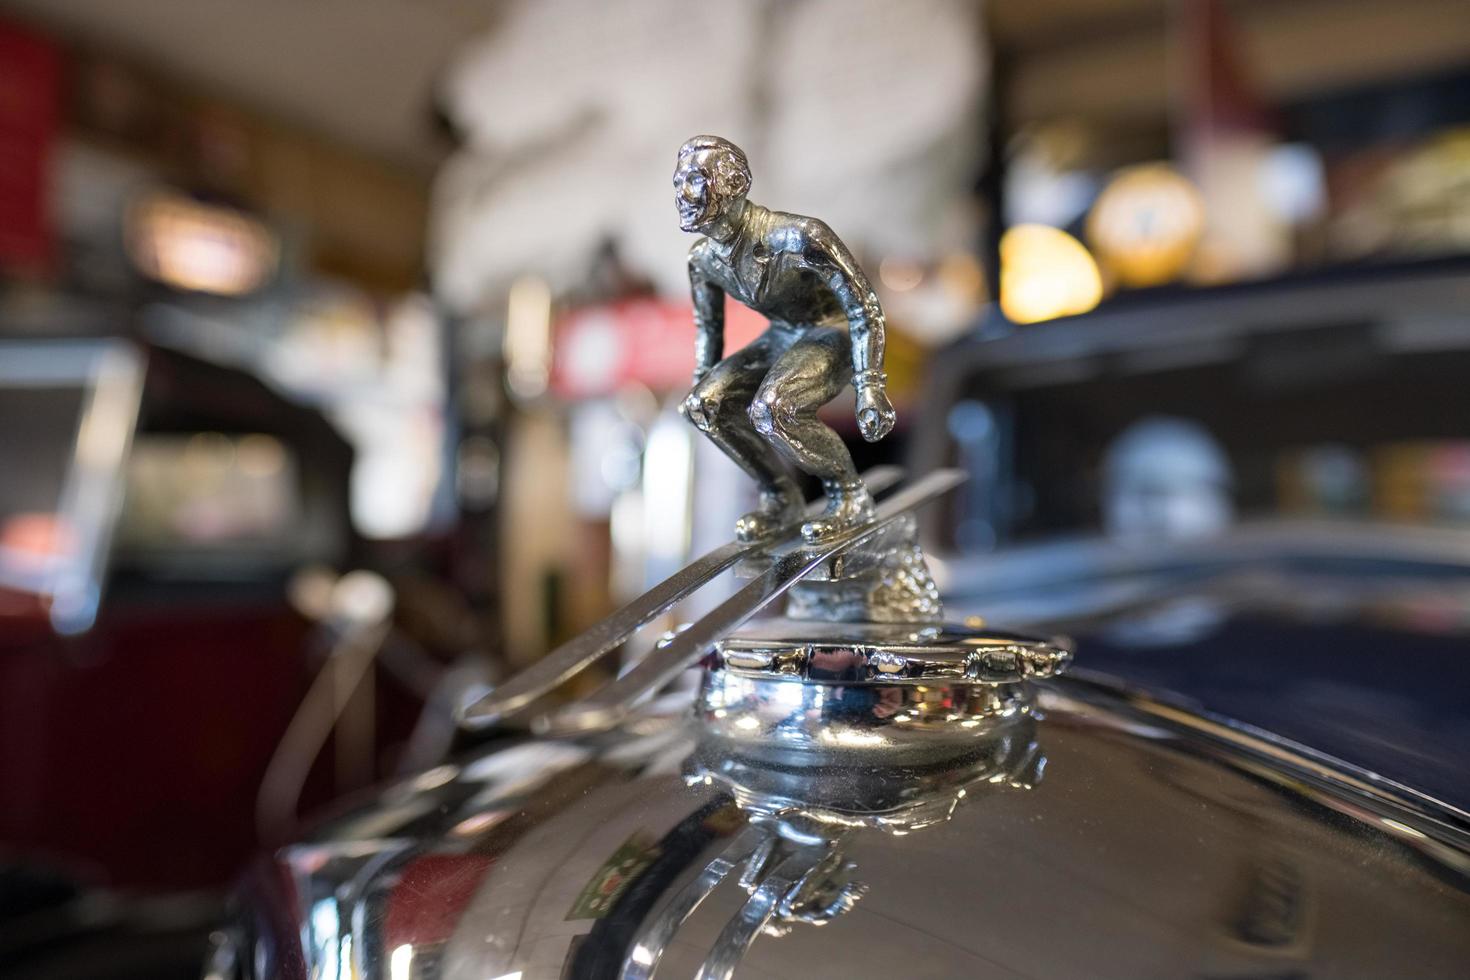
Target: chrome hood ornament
{"x": 759, "y": 404}
{"x": 861, "y": 660}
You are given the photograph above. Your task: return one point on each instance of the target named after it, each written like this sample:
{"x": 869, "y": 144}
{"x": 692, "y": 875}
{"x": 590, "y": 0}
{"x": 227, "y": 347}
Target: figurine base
{"x": 883, "y": 580}
{"x": 805, "y": 693}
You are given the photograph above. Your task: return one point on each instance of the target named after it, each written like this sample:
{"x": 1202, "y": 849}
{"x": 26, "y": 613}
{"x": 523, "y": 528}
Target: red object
{"x": 30, "y": 101}
{"x": 132, "y": 755}
{"x": 1216, "y": 90}
{"x": 600, "y": 349}
{"x": 432, "y": 892}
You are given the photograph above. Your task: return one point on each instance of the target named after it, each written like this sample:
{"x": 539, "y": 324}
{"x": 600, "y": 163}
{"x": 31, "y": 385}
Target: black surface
{"x": 1392, "y": 700}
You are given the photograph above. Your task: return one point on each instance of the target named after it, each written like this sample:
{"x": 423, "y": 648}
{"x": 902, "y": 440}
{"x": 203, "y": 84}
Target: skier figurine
{"x": 759, "y": 405}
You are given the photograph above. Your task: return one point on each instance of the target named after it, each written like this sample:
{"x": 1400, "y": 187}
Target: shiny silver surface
{"x": 885, "y": 579}
{"x": 791, "y": 722}
{"x": 889, "y": 653}
{"x": 1157, "y": 844}
{"x": 759, "y": 404}
{"x": 581, "y": 652}
{"x": 802, "y": 820}
{"x": 883, "y": 697}
{"x": 788, "y": 564}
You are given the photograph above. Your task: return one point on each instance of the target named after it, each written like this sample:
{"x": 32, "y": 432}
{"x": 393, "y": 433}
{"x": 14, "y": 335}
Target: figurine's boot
{"x": 848, "y": 505}
{"x": 780, "y": 506}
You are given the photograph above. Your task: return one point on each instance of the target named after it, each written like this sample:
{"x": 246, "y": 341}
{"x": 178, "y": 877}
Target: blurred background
{"x": 340, "y": 343}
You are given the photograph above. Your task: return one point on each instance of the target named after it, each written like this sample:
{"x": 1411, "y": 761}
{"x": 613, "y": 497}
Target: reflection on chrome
{"x": 792, "y": 853}
{"x": 613, "y": 860}
{"x": 400, "y": 962}
{"x": 789, "y": 722}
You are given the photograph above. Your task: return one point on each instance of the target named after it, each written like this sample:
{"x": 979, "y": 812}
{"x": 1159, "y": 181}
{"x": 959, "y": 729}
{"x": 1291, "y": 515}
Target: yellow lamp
{"x": 1045, "y": 273}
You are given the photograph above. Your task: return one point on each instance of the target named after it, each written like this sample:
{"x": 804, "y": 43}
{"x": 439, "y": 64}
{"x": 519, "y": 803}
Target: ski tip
{"x": 482, "y": 714}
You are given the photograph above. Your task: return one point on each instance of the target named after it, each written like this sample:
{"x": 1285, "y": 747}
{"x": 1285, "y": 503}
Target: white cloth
{"x": 862, "y": 112}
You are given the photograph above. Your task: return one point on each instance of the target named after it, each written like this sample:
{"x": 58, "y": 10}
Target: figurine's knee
{"x": 702, "y": 406}
{"x": 763, "y": 414}
{"x": 771, "y": 414}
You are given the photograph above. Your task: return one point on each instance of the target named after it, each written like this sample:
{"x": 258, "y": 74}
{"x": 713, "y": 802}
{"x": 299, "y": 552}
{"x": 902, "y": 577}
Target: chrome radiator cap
{"x": 798, "y": 691}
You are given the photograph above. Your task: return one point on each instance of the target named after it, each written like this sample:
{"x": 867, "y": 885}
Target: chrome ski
{"x": 608, "y": 706}
{"x": 581, "y": 652}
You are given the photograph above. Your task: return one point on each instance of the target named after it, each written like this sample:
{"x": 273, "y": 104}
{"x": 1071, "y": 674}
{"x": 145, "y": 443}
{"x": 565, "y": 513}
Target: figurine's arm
{"x": 709, "y": 320}
{"x": 831, "y": 260}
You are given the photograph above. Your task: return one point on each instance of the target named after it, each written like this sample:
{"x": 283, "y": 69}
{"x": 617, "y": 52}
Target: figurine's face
{"x": 700, "y": 194}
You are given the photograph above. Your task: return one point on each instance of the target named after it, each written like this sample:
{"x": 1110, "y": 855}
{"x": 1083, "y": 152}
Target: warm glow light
{"x": 188, "y": 244}
{"x": 1045, "y": 273}
{"x": 1402, "y": 828}
{"x": 1146, "y": 224}
{"x": 528, "y": 337}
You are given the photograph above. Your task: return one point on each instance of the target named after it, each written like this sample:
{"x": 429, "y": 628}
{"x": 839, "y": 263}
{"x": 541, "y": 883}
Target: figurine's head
{"x": 710, "y": 184}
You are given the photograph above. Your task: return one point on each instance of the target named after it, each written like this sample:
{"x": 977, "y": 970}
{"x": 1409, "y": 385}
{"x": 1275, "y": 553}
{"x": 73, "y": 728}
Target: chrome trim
{"x": 740, "y": 932}
{"x": 1325, "y": 778}
{"x": 785, "y": 722}
{"x": 649, "y": 944}
{"x": 849, "y": 653}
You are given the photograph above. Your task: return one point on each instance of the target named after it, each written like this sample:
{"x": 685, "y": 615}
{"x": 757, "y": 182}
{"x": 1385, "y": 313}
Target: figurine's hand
{"x": 875, "y": 414}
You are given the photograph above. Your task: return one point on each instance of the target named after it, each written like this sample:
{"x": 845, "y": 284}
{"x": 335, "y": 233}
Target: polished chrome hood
{"x": 1096, "y": 834}
{"x": 851, "y": 794}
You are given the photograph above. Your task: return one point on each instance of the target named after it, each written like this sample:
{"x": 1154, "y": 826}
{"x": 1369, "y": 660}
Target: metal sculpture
{"x": 759, "y": 404}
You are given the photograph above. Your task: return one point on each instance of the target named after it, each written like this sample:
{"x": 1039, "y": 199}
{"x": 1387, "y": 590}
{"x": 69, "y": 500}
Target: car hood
{"x": 1105, "y": 833}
